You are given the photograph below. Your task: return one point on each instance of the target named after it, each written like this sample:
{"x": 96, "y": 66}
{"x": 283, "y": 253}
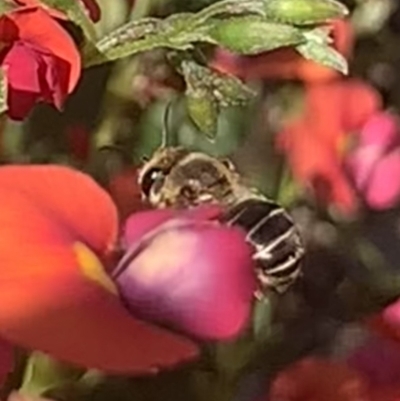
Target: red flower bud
{"x": 40, "y": 60}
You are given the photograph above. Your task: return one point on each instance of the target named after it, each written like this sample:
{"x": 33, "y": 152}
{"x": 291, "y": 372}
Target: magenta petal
{"x": 384, "y": 184}
{"x": 391, "y": 314}
{"x": 196, "y": 277}
{"x": 361, "y": 164}
{"x": 141, "y": 223}
{"x": 22, "y": 68}
{"x": 381, "y": 130}
{"x": 138, "y": 224}
{"x": 23, "y": 65}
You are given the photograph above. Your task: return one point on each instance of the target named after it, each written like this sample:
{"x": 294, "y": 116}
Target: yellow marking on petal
{"x": 92, "y": 268}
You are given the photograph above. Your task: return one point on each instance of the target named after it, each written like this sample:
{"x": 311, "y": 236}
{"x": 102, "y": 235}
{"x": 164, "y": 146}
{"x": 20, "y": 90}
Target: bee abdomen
{"x": 278, "y": 249}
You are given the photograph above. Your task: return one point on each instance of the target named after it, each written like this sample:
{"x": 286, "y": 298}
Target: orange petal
{"x": 71, "y": 197}
{"x": 359, "y": 101}
{"x": 47, "y": 302}
{"x": 91, "y": 5}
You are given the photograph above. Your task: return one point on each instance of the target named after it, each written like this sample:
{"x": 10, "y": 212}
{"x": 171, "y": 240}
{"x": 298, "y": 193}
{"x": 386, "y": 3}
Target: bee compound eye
{"x": 150, "y": 178}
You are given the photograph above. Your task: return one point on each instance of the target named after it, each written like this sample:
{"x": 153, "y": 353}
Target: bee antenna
{"x": 165, "y": 135}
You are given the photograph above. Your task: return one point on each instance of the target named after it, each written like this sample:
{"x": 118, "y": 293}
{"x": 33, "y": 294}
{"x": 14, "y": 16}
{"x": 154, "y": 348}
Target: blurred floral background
{"x": 323, "y": 143}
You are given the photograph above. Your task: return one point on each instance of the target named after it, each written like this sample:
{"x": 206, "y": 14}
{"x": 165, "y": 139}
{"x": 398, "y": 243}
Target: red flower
{"x": 91, "y": 6}
{"x": 370, "y": 373}
{"x": 315, "y": 379}
{"x": 185, "y": 270}
{"x": 315, "y": 143}
{"x": 39, "y": 58}
{"x": 286, "y": 63}
{"x": 58, "y": 230}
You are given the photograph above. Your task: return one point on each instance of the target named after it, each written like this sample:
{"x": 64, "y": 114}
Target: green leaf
{"x": 226, "y": 89}
{"x": 76, "y": 12}
{"x": 231, "y": 91}
{"x": 262, "y": 319}
{"x": 3, "y": 92}
{"x": 316, "y": 48}
{"x": 253, "y": 35}
{"x": 181, "y": 31}
{"x": 230, "y": 7}
{"x": 207, "y": 91}
{"x": 304, "y": 12}
{"x": 44, "y": 373}
{"x": 176, "y": 32}
{"x": 115, "y": 42}
{"x": 203, "y": 110}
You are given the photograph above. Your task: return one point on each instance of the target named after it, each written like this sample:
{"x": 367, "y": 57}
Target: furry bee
{"x": 176, "y": 177}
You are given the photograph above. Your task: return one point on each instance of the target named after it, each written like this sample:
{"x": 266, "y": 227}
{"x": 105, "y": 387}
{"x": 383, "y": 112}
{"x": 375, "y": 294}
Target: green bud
{"x": 227, "y": 90}
{"x": 252, "y": 35}
{"x": 203, "y": 111}
{"x": 231, "y": 91}
{"x": 44, "y": 373}
{"x": 304, "y": 12}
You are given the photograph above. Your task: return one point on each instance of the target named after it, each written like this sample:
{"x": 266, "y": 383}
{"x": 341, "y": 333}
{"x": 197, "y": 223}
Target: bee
{"x": 176, "y": 177}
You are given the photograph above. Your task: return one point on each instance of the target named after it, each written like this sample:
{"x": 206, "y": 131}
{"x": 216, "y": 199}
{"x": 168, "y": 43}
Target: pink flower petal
{"x": 381, "y": 130}
{"x": 391, "y": 314}
{"x": 383, "y": 190}
{"x": 194, "y": 276}
{"x": 141, "y": 223}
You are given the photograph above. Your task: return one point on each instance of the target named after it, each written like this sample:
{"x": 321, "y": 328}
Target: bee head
{"x": 155, "y": 171}
{"x": 175, "y": 177}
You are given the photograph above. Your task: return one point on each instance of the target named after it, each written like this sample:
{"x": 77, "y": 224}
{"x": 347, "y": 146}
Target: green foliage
{"x": 253, "y": 35}
{"x": 304, "y": 12}
{"x": 44, "y": 373}
{"x": 207, "y": 91}
{"x": 203, "y": 110}
{"x": 179, "y": 31}
{"x": 245, "y": 27}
